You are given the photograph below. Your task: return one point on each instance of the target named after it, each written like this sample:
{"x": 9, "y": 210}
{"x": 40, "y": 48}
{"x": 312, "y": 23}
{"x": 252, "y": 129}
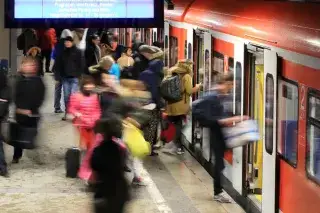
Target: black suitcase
{"x": 22, "y": 137}
{"x": 72, "y": 162}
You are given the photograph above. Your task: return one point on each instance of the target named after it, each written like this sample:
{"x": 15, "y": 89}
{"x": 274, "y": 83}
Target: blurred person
{"x": 85, "y": 108}
{"x": 27, "y": 39}
{"x": 152, "y": 78}
{"x": 140, "y": 62}
{"x": 69, "y": 67}
{"x": 35, "y": 52}
{"x": 126, "y": 59}
{"x": 106, "y": 65}
{"x": 29, "y": 97}
{"x": 111, "y": 190}
{"x": 5, "y": 98}
{"x": 58, "y": 50}
{"x": 215, "y": 110}
{"x": 93, "y": 52}
{"x": 178, "y": 111}
{"x": 47, "y": 40}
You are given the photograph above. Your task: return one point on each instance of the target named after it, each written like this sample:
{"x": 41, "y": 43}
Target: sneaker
{"x": 58, "y": 111}
{"x": 137, "y": 181}
{"x": 222, "y": 198}
{"x": 180, "y": 151}
{"x": 15, "y": 160}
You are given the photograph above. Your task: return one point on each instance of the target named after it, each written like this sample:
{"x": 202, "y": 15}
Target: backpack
{"x": 21, "y": 41}
{"x": 171, "y": 88}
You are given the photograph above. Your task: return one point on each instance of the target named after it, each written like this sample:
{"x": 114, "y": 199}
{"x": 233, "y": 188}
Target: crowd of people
{"x": 103, "y": 85}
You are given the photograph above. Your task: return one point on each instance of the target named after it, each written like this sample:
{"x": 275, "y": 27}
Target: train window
{"x": 313, "y": 137}
{"x": 189, "y": 51}
{"x": 206, "y": 79}
{"x": 185, "y": 49}
{"x": 217, "y": 64}
{"x": 231, "y": 64}
{"x": 269, "y": 107}
{"x": 288, "y": 121}
{"x": 238, "y": 88}
{"x": 173, "y": 54}
{"x": 166, "y": 46}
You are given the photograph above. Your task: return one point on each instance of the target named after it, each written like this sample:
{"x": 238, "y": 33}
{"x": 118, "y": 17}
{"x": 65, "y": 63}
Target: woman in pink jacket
{"x": 85, "y": 108}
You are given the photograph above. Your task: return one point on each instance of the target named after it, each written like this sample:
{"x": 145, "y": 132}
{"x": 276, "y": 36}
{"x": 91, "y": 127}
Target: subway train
{"x": 273, "y": 49}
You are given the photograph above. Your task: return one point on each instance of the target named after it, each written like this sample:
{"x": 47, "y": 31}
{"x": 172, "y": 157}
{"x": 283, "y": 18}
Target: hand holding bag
{"x": 21, "y": 136}
{"x": 241, "y": 134}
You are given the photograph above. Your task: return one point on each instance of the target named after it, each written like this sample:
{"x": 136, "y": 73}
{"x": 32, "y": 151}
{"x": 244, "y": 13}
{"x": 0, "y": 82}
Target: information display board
{"x": 84, "y": 13}
{"x": 49, "y": 9}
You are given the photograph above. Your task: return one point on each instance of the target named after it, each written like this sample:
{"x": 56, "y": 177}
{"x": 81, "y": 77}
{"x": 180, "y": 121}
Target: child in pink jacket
{"x": 85, "y": 108}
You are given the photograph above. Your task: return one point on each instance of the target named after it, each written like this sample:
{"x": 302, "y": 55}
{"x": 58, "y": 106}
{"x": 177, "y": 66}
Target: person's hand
{"x": 24, "y": 111}
{"x": 199, "y": 86}
{"x": 77, "y": 114}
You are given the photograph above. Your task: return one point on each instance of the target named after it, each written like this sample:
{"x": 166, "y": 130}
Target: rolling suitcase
{"x": 73, "y": 156}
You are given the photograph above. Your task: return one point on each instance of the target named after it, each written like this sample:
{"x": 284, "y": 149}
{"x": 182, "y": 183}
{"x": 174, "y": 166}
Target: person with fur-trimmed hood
{"x": 35, "y": 52}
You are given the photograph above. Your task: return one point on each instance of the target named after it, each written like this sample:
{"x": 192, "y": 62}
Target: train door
{"x": 198, "y": 61}
{"x": 269, "y": 132}
{"x": 261, "y": 156}
{"x": 207, "y": 46}
{"x": 166, "y": 43}
{"x": 254, "y": 153}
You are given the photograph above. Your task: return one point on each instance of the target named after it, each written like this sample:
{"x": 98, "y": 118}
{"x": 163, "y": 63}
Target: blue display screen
{"x": 53, "y": 9}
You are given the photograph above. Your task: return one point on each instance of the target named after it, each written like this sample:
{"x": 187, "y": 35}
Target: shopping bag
{"x": 241, "y": 134}
{"x": 21, "y": 136}
{"x": 137, "y": 145}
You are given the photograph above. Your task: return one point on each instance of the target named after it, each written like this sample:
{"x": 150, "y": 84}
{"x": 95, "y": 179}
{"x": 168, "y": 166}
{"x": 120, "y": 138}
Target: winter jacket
{"x": 152, "y": 78}
{"x": 115, "y": 70}
{"x": 140, "y": 65}
{"x": 29, "y": 93}
{"x": 28, "y": 39}
{"x": 92, "y": 54}
{"x": 5, "y": 94}
{"x": 47, "y": 38}
{"x": 87, "y": 106}
{"x": 181, "y": 107}
{"x": 69, "y": 64}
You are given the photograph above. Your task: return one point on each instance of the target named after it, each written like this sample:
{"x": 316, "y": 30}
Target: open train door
{"x": 238, "y": 99}
{"x": 207, "y": 39}
{"x": 166, "y": 43}
{"x": 269, "y": 132}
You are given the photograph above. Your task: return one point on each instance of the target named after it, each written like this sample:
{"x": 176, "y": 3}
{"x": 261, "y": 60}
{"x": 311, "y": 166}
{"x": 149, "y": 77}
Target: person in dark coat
{"x": 29, "y": 97}
{"x": 58, "y": 50}
{"x": 108, "y": 160}
{"x": 92, "y": 52}
{"x": 5, "y": 97}
{"x": 70, "y": 65}
{"x": 140, "y": 62}
{"x": 152, "y": 77}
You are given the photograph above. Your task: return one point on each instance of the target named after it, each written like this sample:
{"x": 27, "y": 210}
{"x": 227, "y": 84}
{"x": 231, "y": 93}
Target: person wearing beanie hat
{"x": 152, "y": 78}
{"x": 69, "y": 67}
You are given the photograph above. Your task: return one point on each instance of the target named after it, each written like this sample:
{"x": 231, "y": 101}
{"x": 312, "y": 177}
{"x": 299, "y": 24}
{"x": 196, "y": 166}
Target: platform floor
{"x": 176, "y": 184}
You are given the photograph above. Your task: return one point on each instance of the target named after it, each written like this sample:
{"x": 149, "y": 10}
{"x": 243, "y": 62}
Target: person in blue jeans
{"x": 58, "y": 50}
{"x": 70, "y": 65}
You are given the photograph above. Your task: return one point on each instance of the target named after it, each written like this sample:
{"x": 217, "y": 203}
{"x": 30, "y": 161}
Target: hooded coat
{"x": 152, "y": 78}
{"x": 184, "y": 69}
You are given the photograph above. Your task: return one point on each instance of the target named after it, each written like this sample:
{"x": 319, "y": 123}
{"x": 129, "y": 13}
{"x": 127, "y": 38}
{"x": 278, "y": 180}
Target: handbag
{"x": 241, "y": 134}
{"x": 133, "y": 137}
{"x": 21, "y": 136}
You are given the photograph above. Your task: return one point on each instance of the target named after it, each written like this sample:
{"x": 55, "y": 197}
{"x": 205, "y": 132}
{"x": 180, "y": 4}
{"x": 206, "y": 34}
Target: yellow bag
{"x": 135, "y": 141}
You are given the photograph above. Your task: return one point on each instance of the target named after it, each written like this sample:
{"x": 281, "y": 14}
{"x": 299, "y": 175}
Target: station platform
{"x": 175, "y": 184}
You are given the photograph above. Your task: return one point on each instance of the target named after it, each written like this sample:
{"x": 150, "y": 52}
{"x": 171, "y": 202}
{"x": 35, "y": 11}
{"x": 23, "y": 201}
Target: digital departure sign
{"x": 84, "y": 13}
{"x": 49, "y": 9}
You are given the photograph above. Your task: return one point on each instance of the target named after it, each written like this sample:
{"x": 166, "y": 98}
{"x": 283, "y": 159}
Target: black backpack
{"x": 170, "y": 88}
